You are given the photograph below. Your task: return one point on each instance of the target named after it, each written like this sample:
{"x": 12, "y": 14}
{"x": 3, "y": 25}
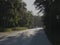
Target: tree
{"x": 9, "y": 13}
{"x": 37, "y": 21}
{"x": 13, "y": 13}
{"x": 51, "y": 19}
{"x": 30, "y": 20}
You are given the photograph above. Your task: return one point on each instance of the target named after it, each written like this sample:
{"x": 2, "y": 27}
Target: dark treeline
{"x": 51, "y": 20}
{"x": 13, "y": 13}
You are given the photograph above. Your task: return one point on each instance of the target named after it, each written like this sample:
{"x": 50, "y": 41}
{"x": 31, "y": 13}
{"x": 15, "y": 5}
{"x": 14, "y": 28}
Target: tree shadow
{"x": 40, "y": 39}
{"x": 21, "y": 39}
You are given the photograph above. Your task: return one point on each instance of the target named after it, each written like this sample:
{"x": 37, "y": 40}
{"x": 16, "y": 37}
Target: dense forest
{"x": 13, "y": 13}
{"x": 51, "y": 18}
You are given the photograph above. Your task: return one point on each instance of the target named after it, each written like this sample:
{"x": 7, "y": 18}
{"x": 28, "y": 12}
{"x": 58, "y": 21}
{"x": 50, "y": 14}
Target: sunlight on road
{"x": 26, "y": 37}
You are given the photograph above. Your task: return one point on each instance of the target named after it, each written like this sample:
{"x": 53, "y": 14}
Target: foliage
{"x": 9, "y": 13}
{"x": 37, "y": 21}
{"x": 13, "y": 13}
{"x": 51, "y": 18}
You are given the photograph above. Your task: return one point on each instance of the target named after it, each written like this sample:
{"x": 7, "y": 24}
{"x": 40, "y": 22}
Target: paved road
{"x": 34, "y": 36}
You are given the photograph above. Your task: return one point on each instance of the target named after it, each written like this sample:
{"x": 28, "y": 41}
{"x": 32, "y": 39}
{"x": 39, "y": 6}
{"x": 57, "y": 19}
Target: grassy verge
{"x": 19, "y": 28}
{"x": 13, "y": 29}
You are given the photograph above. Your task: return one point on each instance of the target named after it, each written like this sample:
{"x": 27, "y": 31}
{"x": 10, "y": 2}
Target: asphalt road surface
{"x": 34, "y": 36}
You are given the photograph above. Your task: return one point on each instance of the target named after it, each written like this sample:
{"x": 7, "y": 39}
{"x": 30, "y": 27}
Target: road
{"x": 34, "y": 36}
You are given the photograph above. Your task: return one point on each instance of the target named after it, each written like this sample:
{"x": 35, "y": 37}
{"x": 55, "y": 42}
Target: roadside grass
{"x": 13, "y": 29}
{"x": 19, "y": 28}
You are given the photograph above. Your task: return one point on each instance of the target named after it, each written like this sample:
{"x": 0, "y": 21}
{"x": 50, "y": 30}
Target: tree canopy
{"x": 13, "y": 13}
{"x": 51, "y": 18}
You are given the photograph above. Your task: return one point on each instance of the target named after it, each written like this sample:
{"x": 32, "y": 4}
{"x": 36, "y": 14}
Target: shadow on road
{"x": 40, "y": 39}
{"x": 21, "y": 39}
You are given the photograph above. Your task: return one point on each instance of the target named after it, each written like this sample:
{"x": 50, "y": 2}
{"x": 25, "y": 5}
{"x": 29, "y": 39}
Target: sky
{"x": 30, "y": 6}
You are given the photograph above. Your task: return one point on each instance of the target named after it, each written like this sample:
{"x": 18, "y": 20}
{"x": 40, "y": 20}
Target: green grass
{"x": 8, "y": 30}
{"x": 19, "y": 28}
{"x": 13, "y": 29}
